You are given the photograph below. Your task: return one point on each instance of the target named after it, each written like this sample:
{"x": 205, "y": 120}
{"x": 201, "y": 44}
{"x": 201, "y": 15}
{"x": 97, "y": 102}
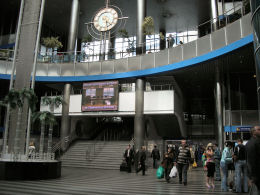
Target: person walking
{"x": 170, "y": 41}
{"x": 210, "y": 164}
{"x": 142, "y": 160}
{"x": 253, "y": 159}
{"x": 217, "y": 157}
{"x": 167, "y": 163}
{"x": 156, "y": 156}
{"x": 240, "y": 167}
{"x": 226, "y": 159}
{"x": 128, "y": 157}
{"x": 183, "y": 160}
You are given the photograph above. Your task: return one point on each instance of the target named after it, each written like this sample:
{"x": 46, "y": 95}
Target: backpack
{"x": 240, "y": 152}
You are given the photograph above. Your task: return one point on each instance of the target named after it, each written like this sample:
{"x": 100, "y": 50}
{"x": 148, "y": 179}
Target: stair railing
{"x": 91, "y": 149}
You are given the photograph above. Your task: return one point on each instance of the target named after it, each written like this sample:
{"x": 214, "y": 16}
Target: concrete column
{"x": 140, "y": 38}
{"x": 219, "y": 112}
{"x": 214, "y": 14}
{"x": 65, "y": 118}
{"x": 255, "y": 10}
{"x": 74, "y": 20}
{"x": 139, "y": 127}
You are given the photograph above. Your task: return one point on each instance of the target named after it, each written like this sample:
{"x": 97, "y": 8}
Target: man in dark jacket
{"x": 253, "y": 159}
{"x": 142, "y": 160}
{"x": 156, "y": 156}
{"x": 128, "y": 157}
{"x": 183, "y": 161}
{"x": 240, "y": 166}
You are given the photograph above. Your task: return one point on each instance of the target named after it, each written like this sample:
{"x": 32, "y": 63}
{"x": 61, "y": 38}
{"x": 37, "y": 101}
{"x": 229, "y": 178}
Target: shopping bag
{"x": 194, "y": 165}
{"x": 173, "y": 172}
{"x": 160, "y": 172}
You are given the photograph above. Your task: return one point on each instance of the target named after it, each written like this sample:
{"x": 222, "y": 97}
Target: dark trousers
{"x": 182, "y": 170}
{"x": 155, "y": 166}
{"x": 129, "y": 164}
{"x": 142, "y": 167}
{"x": 167, "y": 174}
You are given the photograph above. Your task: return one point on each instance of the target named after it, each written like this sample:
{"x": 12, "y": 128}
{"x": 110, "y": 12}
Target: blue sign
{"x": 235, "y": 129}
{"x": 244, "y": 128}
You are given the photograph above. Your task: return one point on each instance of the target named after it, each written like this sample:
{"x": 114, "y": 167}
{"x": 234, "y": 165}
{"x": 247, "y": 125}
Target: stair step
{"x": 108, "y": 155}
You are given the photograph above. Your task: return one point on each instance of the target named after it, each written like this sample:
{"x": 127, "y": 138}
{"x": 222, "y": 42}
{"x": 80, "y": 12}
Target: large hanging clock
{"x": 105, "y": 19}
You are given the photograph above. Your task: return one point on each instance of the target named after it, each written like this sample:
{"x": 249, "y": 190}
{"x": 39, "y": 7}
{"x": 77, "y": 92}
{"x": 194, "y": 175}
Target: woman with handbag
{"x": 210, "y": 164}
{"x": 226, "y": 159}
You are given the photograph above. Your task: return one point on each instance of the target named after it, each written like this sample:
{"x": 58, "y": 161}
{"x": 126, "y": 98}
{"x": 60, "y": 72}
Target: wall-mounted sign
{"x": 100, "y": 96}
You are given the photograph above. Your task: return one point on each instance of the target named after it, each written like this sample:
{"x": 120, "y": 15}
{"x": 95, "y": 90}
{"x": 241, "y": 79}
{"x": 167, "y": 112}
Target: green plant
{"x": 52, "y": 42}
{"x": 16, "y": 99}
{"x": 148, "y": 25}
{"x": 162, "y": 37}
{"x": 123, "y": 33}
{"x": 87, "y": 39}
{"x": 45, "y": 118}
{"x": 52, "y": 102}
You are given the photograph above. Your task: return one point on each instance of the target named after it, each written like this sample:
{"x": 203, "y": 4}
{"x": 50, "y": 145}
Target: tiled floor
{"x": 96, "y": 181}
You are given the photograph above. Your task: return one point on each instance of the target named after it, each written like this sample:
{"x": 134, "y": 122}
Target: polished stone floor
{"x": 96, "y": 181}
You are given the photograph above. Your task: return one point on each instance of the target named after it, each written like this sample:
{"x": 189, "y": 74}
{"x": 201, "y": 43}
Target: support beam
{"x": 214, "y": 15}
{"x": 74, "y": 20}
{"x": 219, "y": 112}
{"x": 139, "y": 127}
{"x": 140, "y": 38}
{"x": 65, "y": 118}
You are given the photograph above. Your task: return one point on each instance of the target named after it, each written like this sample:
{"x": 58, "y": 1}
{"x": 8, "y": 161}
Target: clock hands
{"x": 106, "y": 19}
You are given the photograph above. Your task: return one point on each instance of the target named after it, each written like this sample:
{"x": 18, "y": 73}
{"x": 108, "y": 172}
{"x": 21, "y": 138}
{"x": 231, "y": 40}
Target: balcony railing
{"x": 152, "y": 43}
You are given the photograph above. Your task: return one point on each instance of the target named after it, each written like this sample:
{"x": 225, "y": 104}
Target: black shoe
{"x": 185, "y": 183}
{"x": 180, "y": 182}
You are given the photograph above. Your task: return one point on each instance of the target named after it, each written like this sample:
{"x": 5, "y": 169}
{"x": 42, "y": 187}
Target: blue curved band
{"x": 193, "y": 61}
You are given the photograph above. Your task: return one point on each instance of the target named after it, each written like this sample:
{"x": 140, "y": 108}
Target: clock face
{"x": 105, "y": 19}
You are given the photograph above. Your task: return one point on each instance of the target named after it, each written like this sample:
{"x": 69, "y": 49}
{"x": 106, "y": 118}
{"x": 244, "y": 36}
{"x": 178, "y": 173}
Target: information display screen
{"x": 100, "y": 96}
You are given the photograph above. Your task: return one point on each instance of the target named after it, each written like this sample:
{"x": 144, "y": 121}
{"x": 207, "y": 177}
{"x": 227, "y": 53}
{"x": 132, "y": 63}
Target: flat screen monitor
{"x": 100, "y": 96}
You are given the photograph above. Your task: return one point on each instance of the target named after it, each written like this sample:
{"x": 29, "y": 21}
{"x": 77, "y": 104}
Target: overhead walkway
{"x": 220, "y": 42}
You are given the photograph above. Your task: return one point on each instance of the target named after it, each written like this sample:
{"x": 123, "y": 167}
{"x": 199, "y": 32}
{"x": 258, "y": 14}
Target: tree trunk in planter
{"x": 42, "y": 138}
{"x": 49, "y": 149}
{"x": 17, "y": 134}
{"x": 50, "y": 139}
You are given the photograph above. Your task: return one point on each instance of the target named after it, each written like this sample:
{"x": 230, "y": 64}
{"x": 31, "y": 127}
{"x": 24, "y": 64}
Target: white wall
{"x": 155, "y": 102}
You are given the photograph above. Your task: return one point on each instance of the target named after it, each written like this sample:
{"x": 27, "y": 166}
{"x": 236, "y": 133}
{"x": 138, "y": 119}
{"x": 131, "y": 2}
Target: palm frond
{"x": 58, "y": 100}
{"x": 46, "y": 100}
{"x": 44, "y": 116}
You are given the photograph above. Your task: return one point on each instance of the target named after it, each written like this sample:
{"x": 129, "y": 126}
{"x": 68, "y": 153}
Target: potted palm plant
{"x": 16, "y": 99}
{"x": 52, "y": 42}
{"x": 45, "y": 118}
{"x": 53, "y": 103}
{"x": 148, "y": 26}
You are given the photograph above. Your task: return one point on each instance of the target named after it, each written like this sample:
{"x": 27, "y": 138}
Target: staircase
{"x": 95, "y": 154}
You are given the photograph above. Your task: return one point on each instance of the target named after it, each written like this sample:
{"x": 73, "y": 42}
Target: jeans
{"x": 240, "y": 168}
{"x": 224, "y": 170}
{"x": 217, "y": 170}
{"x": 182, "y": 169}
